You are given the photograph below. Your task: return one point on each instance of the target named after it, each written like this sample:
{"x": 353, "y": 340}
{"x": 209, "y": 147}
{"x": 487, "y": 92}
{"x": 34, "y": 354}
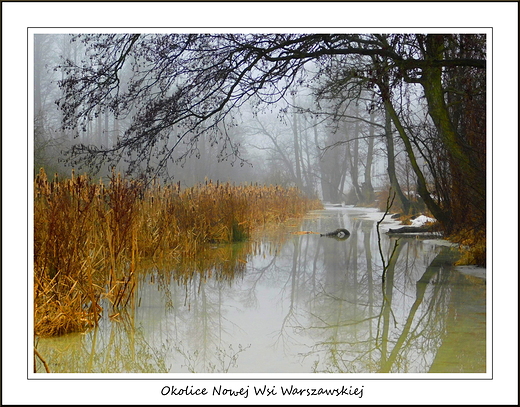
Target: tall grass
{"x": 89, "y": 238}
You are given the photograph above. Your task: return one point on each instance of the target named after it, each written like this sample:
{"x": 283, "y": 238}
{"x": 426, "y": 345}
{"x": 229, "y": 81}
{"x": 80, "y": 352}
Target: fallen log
{"x": 411, "y": 229}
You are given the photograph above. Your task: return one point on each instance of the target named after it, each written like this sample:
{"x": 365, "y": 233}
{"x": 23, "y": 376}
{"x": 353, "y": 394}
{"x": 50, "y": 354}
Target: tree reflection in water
{"x": 293, "y": 303}
{"x": 408, "y": 328}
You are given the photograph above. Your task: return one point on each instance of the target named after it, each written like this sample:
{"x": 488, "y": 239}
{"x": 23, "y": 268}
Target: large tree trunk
{"x": 106, "y": 130}
{"x": 323, "y": 176}
{"x": 367, "y": 189}
{"x": 299, "y": 182}
{"x": 354, "y": 169}
{"x": 434, "y": 93}
{"x": 465, "y": 163}
{"x": 394, "y": 183}
{"x": 306, "y": 168}
{"x": 434, "y": 208}
{"x": 38, "y": 105}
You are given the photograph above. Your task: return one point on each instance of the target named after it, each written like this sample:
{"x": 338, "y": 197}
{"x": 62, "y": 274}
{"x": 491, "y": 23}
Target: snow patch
{"x": 421, "y": 220}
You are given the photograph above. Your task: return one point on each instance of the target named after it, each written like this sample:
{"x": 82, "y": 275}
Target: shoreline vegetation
{"x": 90, "y": 238}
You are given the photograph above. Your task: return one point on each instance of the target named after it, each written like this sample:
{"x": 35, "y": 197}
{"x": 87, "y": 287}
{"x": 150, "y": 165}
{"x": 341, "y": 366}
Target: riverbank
{"x": 391, "y": 223}
{"x": 90, "y": 237}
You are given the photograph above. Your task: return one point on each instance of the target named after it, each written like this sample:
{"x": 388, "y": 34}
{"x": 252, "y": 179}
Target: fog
{"x": 323, "y": 150}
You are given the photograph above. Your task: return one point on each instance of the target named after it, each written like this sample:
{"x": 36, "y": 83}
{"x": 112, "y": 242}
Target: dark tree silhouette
{"x": 175, "y": 87}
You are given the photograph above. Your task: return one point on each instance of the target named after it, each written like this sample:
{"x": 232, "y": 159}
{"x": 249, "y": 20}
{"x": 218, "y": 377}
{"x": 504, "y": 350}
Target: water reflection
{"x": 286, "y": 303}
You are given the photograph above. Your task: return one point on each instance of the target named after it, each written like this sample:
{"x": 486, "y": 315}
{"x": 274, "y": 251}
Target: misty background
{"x": 332, "y": 148}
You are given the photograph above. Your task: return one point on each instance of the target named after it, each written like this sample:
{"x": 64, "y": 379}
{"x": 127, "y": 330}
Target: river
{"x": 294, "y": 302}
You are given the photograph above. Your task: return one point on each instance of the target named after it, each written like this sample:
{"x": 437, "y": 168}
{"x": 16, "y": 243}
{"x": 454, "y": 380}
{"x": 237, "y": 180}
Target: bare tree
{"x": 182, "y": 85}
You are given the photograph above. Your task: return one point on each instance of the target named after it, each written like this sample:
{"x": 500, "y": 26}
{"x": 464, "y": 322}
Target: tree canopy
{"x": 176, "y": 87}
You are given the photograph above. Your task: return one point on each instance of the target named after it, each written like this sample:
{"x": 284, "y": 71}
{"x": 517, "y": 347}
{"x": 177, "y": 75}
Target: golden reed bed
{"x": 89, "y": 237}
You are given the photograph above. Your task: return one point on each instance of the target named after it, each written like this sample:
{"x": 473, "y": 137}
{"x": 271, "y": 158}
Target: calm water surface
{"x": 294, "y": 303}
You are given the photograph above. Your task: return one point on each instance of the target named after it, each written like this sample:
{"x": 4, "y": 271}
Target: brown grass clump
{"x": 89, "y": 238}
{"x": 472, "y": 246}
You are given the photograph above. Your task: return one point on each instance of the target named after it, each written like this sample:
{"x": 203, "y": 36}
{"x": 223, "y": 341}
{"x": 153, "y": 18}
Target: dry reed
{"x": 90, "y": 237}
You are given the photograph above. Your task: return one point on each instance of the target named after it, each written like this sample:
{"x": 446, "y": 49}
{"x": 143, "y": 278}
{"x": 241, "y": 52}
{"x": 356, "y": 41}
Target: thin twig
{"x": 389, "y": 204}
{"x": 43, "y": 361}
